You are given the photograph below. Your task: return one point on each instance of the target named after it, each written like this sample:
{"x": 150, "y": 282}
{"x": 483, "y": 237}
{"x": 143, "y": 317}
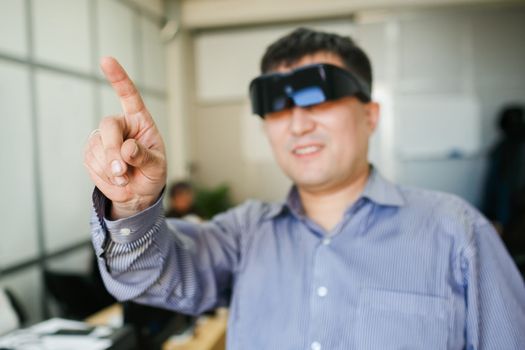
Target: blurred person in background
{"x": 504, "y": 196}
{"x": 181, "y": 201}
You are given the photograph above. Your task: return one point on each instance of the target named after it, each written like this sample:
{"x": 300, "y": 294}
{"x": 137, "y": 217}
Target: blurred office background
{"x": 443, "y": 71}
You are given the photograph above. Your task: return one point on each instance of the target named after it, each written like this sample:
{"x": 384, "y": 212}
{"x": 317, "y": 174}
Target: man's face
{"x": 322, "y": 147}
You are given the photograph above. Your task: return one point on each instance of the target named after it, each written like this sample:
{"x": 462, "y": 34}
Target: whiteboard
{"x": 437, "y": 126}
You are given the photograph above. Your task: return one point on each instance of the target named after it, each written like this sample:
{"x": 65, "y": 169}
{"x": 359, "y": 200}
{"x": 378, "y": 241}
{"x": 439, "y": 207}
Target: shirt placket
{"x": 319, "y": 295}
{"x": 321, "y": 286}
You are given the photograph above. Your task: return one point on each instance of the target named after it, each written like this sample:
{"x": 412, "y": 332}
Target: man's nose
{"x": 301, "y": 121}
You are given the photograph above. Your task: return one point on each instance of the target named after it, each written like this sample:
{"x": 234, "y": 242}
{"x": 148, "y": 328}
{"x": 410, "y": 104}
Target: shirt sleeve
{"x": 183, "y": 266}
{"x": 495, "y": 293}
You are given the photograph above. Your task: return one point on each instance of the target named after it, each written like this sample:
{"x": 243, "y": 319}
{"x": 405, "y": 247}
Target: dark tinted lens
{"x": 308, "y": 96}
{"x": 279, "y": 103}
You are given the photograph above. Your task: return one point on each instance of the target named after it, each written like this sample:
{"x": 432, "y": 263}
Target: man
{"x": 349, "y": 261}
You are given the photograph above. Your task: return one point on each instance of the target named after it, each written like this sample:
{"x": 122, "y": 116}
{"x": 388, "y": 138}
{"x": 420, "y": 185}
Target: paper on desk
{"x": 68, "y": 342}
{"x": 54, "y": 324}
{"x": 31, "y": 341}
{"x": 41, "y": 337}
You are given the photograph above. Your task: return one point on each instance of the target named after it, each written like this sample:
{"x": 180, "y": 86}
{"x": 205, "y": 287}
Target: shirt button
{"x": 322, "y": 291}
{"x": 327, "y": 241}
{"x": 316, "y": 345}
{"x": 125, "y": 231}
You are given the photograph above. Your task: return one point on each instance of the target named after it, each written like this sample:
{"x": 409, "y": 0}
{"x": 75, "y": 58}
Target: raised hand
{"x": 125, "y": 157}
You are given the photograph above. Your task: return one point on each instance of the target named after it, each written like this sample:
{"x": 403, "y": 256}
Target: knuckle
{"x": 109, "y": 121}
{"x": 88, "y": 157}
{"x": 94, "y": 141}
{"x": 104, "y": 122}
{"x": 91, "y": 162}
{"x": 99, "y": 156}
{"x": 98, "y": 152}
{"x": 111, "y": 151}
{"x": 90, "y": 166}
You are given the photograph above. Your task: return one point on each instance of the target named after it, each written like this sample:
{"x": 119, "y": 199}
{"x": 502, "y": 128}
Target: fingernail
{"x": 116, "y": 167}
{"x": 120, "y": 181}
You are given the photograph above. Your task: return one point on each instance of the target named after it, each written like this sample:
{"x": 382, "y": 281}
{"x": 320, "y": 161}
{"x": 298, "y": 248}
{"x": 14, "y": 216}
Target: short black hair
{"x": 304, "y": 41}
{"x": 179, "y": 187}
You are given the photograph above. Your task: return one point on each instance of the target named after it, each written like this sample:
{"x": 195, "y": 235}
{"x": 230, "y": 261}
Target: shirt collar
{"x": 292, "y": 204}
{"x": 377, "y": 189}
{"x": 381, "y": 191}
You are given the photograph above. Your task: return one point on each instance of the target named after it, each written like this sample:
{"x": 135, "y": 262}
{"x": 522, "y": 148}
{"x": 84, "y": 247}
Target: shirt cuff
{"x": 131, "y": 228}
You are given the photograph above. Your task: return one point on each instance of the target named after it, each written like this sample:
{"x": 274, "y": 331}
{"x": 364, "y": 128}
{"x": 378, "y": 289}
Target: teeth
{"x": 307, "y": 150}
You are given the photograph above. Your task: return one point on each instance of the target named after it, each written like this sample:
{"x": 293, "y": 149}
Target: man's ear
{"x": 372, "y": 110}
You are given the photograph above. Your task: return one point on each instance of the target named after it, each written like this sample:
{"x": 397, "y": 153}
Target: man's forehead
{"x": 318, "y": 57}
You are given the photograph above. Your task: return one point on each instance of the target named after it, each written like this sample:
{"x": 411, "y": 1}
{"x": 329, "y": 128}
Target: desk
{"x": 104, "y": 316}
{"x": 209, "y": 333}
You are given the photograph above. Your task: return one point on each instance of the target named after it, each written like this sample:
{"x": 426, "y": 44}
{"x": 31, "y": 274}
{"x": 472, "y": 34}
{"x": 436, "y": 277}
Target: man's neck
{"x": 327, "y": 207}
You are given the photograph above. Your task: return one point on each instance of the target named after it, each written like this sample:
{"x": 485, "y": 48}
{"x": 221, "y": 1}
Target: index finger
{"x": 128, "y": 94}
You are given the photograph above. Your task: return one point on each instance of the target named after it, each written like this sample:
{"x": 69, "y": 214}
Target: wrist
{"x": 122, "y": 210}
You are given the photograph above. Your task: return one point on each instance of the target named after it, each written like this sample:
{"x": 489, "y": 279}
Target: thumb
{"x": 151, "y": 162}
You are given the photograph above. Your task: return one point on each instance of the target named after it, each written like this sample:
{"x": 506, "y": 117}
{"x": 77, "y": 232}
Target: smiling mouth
{"x": 307, "y": 150}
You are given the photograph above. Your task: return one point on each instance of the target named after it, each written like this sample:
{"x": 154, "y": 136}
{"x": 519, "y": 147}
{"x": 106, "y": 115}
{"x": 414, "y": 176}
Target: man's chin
{"x": 309, "y": 183}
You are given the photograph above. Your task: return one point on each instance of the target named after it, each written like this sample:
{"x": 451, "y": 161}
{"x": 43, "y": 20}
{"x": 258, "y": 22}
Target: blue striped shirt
{"x": 404, "y": 269}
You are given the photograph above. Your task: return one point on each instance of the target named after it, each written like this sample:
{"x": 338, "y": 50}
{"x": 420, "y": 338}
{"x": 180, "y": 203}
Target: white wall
{"x": 51, "y": 97}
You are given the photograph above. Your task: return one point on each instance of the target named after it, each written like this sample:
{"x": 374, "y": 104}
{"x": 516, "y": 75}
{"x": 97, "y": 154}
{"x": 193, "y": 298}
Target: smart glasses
{"x": 305, "y": 86}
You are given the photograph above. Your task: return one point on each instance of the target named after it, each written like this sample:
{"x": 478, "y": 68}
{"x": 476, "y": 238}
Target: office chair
{"x": 154, "y": 325}
{"x": 78, "y": 295}
{"x": 12, "y": 313}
